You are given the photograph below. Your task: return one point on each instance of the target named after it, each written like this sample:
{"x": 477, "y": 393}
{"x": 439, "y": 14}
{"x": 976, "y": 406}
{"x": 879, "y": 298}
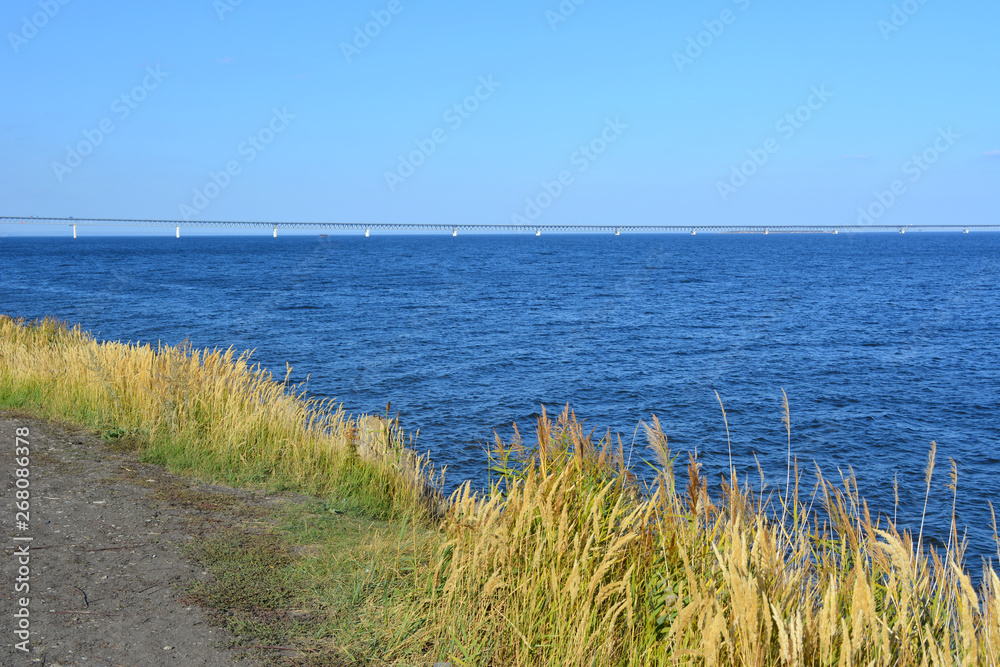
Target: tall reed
{"x": 570, "y": 561}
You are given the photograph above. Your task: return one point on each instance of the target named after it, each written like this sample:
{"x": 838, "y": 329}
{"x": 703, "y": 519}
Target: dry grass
{"x": 567, "y": 559}
{"x": 211, "y": 412}
{"x": 572, "y": 563}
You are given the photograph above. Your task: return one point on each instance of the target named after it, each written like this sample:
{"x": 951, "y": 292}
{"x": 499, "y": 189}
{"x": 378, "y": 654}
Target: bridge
{"x": 454, "y": 229}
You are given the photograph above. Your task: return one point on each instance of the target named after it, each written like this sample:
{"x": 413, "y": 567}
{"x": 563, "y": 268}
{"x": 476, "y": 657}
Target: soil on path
{"x": 108, "y": 563}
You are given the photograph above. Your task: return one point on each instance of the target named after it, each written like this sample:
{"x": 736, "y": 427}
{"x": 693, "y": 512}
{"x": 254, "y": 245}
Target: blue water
{"x": 883, "y": 342}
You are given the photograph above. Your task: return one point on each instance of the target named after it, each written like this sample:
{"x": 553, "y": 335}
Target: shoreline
{"x": 566, "y": 547}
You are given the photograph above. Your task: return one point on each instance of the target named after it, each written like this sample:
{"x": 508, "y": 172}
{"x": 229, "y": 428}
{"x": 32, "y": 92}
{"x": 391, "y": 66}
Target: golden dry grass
{"x": 567, "y": 559}
{"x": 213, "y": 412}
{"x": 572, "y": 563}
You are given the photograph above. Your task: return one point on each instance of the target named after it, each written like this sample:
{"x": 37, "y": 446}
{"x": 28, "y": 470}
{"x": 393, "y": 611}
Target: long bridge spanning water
{"x": 454, "y": 229}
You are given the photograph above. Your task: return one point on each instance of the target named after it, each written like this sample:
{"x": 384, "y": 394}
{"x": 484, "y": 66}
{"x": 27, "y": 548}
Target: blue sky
{"x": 650, "y": 113}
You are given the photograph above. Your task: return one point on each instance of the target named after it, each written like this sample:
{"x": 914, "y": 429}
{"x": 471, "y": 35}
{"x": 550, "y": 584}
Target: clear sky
{"x": 729, "y": 111}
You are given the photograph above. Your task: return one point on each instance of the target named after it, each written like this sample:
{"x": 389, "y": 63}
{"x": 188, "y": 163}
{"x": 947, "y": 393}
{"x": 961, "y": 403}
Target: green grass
{"x": 318, "y": 581}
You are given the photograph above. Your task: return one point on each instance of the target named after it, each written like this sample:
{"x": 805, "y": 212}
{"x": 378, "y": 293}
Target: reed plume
{"x": 928, "y": 474}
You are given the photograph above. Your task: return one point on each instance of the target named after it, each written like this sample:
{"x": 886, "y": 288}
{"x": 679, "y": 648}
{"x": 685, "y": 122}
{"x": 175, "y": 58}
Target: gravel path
{"x": 106, "y": 559}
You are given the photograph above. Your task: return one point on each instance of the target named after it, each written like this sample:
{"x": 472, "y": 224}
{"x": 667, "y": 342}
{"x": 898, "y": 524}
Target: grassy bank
{"x": 213, "y": 413}
{"x": 567, "y": 560}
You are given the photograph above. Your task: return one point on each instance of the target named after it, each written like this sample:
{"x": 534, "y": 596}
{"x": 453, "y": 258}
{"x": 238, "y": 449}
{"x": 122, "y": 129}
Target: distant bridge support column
{"x": 618, "y": 232}
{"x": 74, "y": 231}
{"x": 275, "y": 232}
{"x": 538, "y": 232}
{"x": 454, "y": 231}
{"x": 178, "y": 231}
{"x": 368, "y": 233}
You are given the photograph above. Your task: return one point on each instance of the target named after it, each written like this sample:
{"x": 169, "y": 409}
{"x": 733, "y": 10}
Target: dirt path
{"x": 106, "y": 556}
